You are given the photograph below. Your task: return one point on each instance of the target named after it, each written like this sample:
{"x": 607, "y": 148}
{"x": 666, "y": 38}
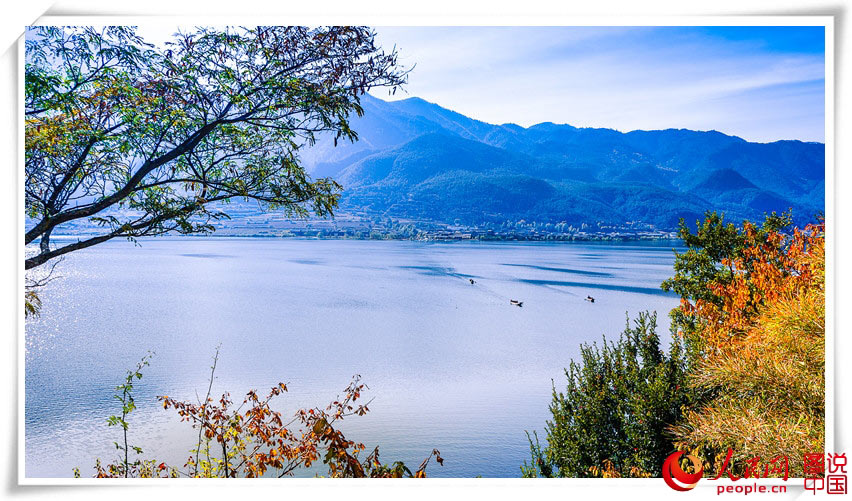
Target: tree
{"x": 145, "y": 140}
{"x": 613, "y": 416}
{"x": 752, "y": 317}
{"x": 762, "y": 363}
{"x": 707, "y": 260}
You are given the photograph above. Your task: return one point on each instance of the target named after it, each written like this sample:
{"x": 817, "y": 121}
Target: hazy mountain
{"x": 417, "y": 159}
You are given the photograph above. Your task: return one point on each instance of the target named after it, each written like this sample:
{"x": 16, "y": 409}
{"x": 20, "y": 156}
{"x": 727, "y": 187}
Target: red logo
{"x": 678, "y": 479}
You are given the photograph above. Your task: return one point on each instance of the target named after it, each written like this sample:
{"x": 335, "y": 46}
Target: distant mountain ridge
{"x": 415, "y": 159}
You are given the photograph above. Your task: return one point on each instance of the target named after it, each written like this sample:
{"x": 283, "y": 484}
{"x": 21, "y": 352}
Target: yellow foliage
{"x": 764, "y": 365}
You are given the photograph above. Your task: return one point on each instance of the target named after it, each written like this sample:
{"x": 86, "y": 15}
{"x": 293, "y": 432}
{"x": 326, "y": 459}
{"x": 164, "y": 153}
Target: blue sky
{"x": 760, "y": 83}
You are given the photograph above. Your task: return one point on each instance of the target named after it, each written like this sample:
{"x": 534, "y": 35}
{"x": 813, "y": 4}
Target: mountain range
{"x": 415, "y": 159}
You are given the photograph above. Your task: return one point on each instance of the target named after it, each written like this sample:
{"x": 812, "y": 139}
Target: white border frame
{"x": 452, "y": 20}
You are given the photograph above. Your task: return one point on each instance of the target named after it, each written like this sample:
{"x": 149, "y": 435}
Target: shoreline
{"x": 604, "y": 238}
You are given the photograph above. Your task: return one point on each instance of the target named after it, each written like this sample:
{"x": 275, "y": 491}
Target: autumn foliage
{"x": 770, "y": 268}
{"x": 252, "y": 440}
{"x": 760, "y": 372}
{"x": 750, "y": 377}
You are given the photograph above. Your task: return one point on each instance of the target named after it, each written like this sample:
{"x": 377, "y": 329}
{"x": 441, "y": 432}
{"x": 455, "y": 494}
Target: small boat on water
{"x": 517, "y": 303}
{"x": 590, "y": 299}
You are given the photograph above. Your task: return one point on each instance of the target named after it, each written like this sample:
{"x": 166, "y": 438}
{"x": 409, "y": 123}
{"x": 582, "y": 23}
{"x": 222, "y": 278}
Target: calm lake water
{"x": 450, "y": 365}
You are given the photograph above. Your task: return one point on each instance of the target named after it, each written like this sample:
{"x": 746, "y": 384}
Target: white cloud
{"x": 618, "y": 77}
{"x": 622, "y": 78}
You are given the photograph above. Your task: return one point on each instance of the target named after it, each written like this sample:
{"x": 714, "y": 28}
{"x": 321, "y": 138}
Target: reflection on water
{"x": 562, "y": 270}
{"x": 452, "y": 365}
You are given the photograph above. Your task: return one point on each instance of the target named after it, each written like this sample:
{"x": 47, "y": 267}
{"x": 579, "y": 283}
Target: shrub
{"x": 761, "y": 367}
{"x": 253, "y": 440}
{"x": 611, "y": 419}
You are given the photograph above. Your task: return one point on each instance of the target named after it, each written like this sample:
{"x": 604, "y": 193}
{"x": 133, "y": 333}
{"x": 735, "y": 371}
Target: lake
{"x": 450, "y": 365}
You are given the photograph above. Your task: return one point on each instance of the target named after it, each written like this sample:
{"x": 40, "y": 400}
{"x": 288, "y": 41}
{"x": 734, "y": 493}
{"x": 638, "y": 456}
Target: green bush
{"x": 611, "y": 419}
